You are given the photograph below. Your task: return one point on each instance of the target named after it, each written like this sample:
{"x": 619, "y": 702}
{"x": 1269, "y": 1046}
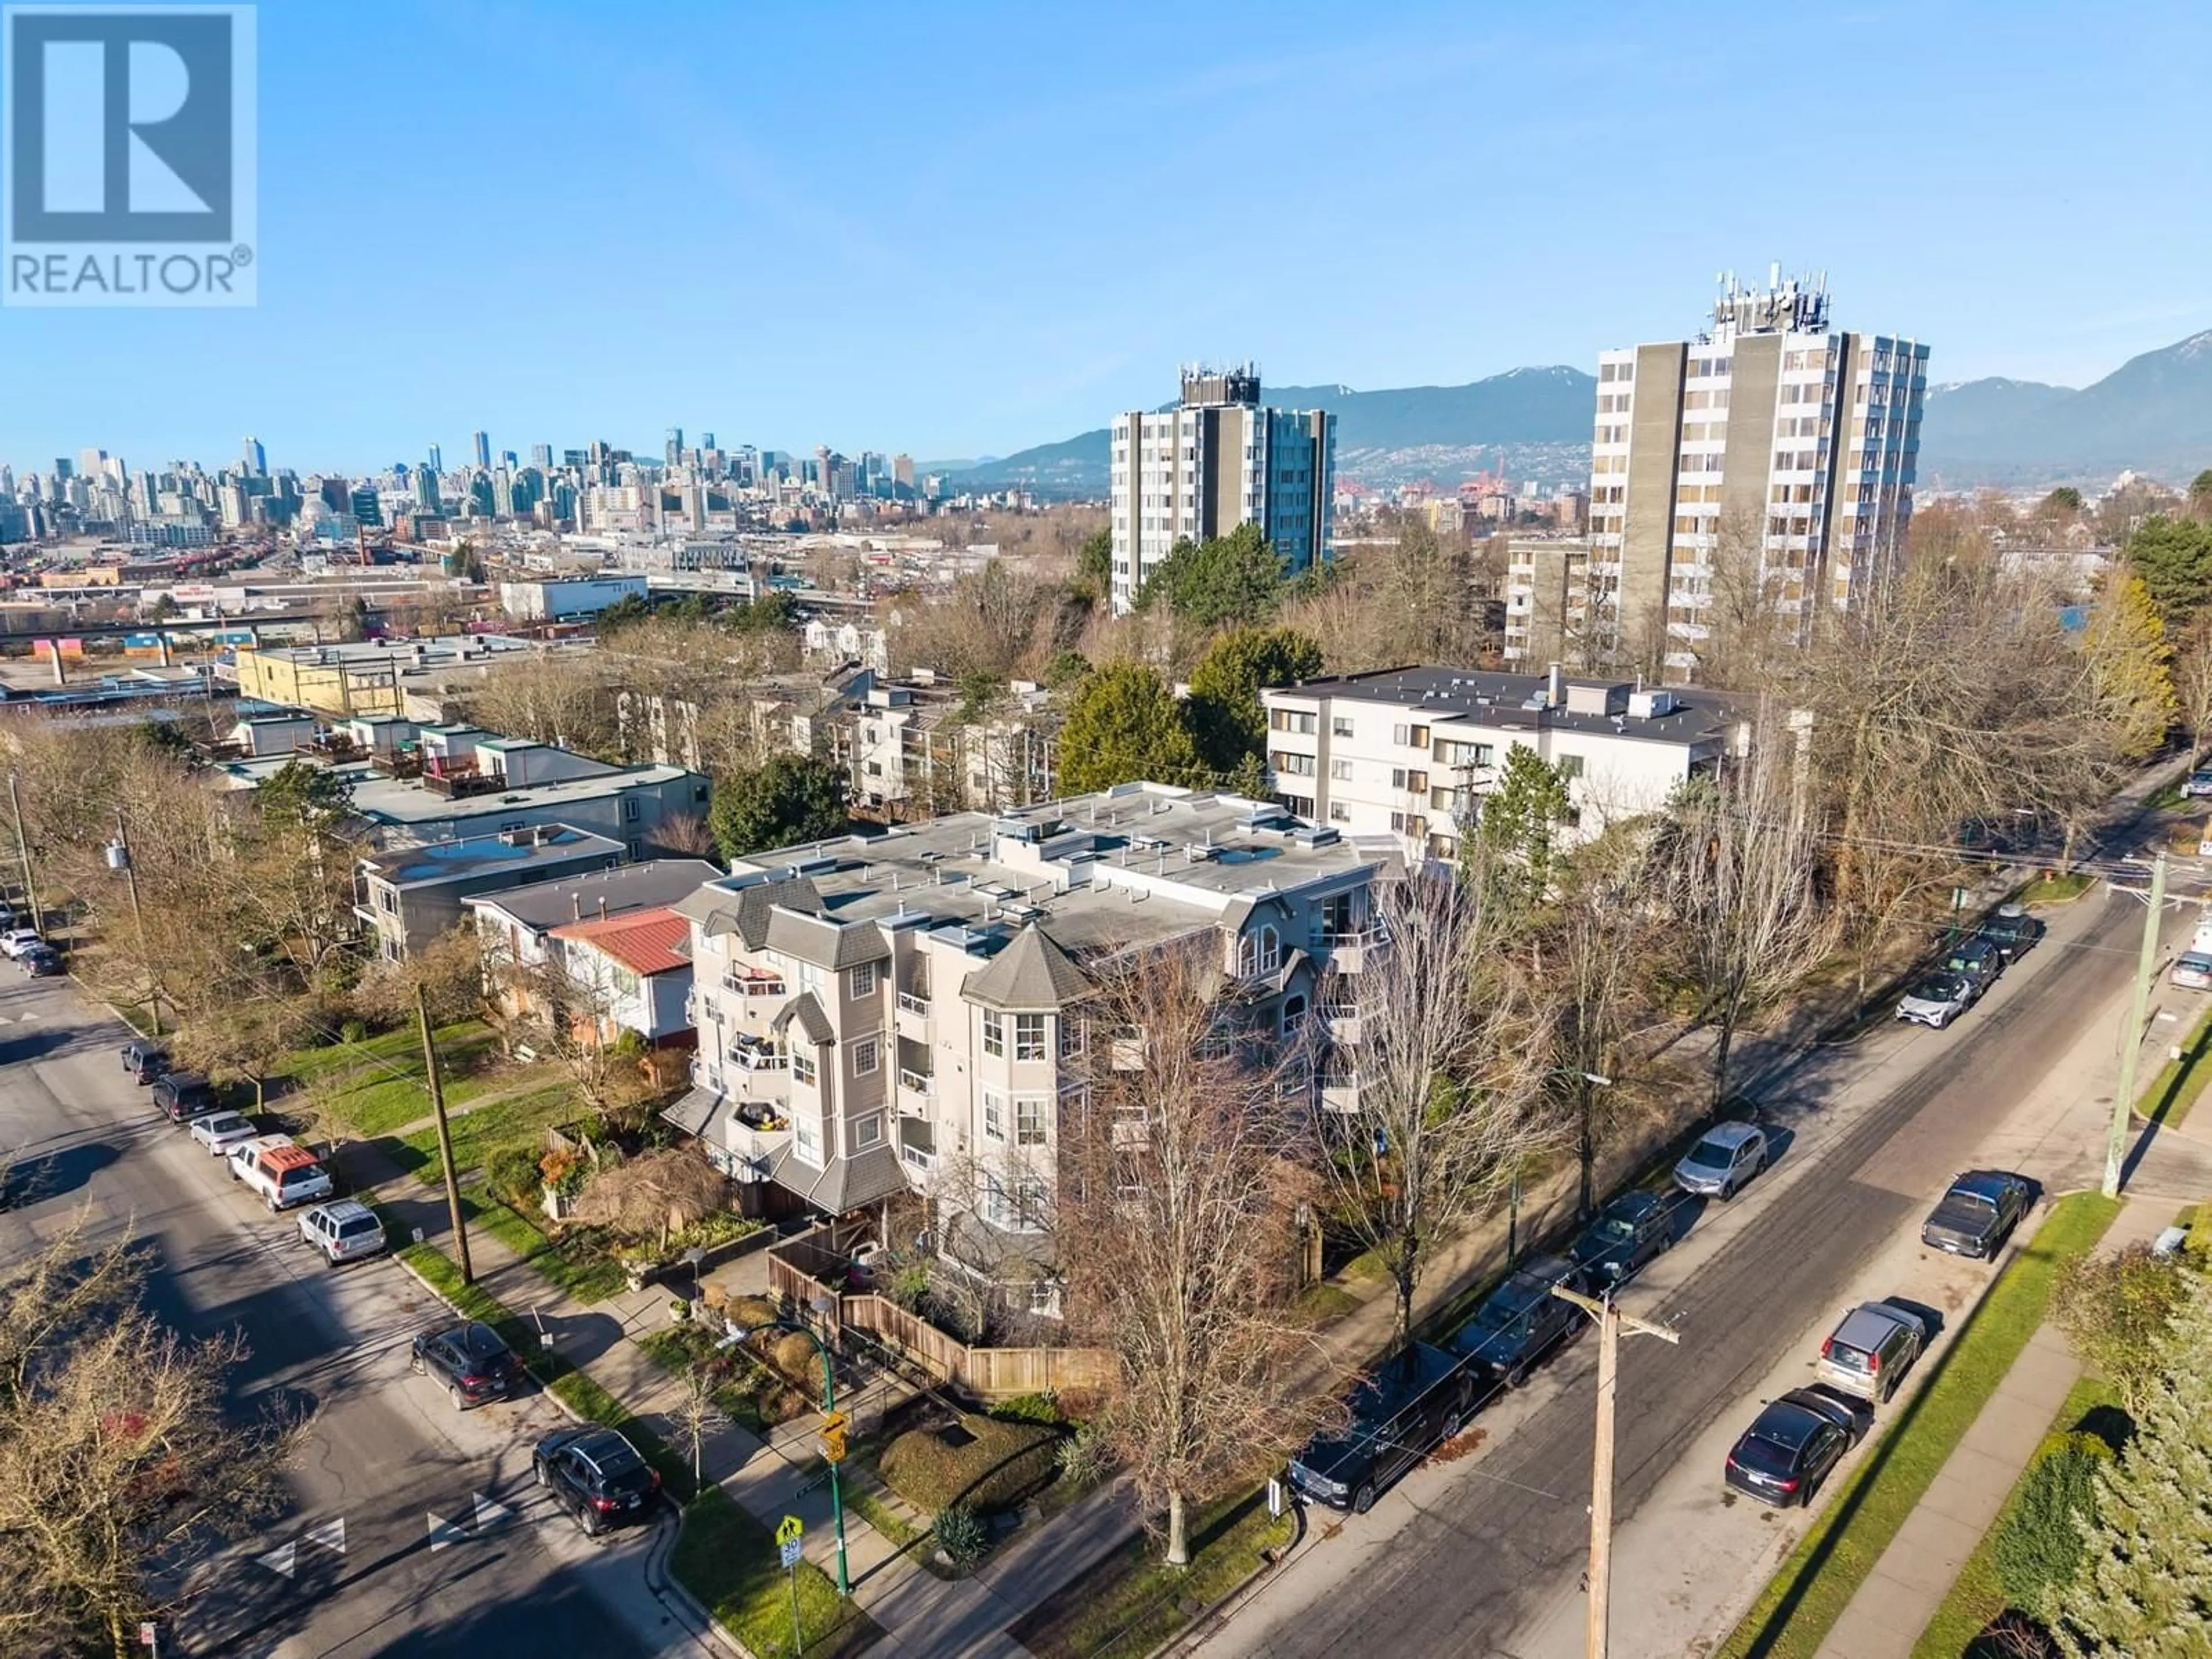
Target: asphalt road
{"x": 413, "y": 1529}
{"x": 1477, "y": 1547}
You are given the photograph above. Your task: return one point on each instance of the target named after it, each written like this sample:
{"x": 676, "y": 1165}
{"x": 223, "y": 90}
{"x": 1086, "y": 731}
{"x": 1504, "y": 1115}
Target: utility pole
{"x": 445, "y": 1135}
{"x": 24, "y": 850}
{"x": 2123, "y": 1102}
{"x": 119, "y": 857}
{"x": 1610, "y": 1322}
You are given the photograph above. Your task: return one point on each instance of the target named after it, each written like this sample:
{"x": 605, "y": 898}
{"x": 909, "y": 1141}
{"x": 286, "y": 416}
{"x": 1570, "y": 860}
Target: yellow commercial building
{"x": 331, "y": 679}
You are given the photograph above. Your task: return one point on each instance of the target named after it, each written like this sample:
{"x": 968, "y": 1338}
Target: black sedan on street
{"x": 1784, "y": 1454}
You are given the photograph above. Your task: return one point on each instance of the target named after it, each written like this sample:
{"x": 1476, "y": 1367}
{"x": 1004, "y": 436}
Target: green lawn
{"x": 520, "y": 1120}
{"x": 1321, "y": 1302}
{"x": 375, "y": 1085}
{"x": 1799, "y": 1605}
{"x": 2056, "y": 889}
{"x": 728, "y": 1560}
{"x": 1132, "y": 1602}
{"x": 589, "y": 1274}
{"x": 1976, "y": 1597}
{"x": 2179, "y": 1082}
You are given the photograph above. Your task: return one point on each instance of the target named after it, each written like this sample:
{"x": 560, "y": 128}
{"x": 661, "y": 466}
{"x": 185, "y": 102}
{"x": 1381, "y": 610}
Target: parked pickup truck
{"x": 284, "y": 1172}
{"x": 1413, "y": 1403}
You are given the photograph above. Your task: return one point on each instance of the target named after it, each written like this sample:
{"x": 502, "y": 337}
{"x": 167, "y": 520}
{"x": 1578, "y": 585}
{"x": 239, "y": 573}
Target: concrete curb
{"x": 1203, "y": 1623}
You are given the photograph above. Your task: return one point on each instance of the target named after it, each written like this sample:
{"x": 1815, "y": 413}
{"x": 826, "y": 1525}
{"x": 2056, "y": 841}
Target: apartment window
{"x": 1338, "y": 813}
{"x": 994, "y": 1034}
{"x": 388, "y": 901}
{"x": 1340, "y": 770}
{"x": 629, "y": 809}
{"x": 867, "y": 1055}
{"x": 802, "y": 1062}
{"x": 1030, "y": 1116}
{"x": 1339, "y": 725}
{"x": 867, "y": 1130}
{"x": 1402, "y": 735}
{"x": 806, "y": 1140}
{"x": 995, "y": 1115}
{"x": 1294, "y": 1015}
{"x": 864, "y": 981}
{"x": 1071, "y": 1037}
{"x": 1569, "y": 767}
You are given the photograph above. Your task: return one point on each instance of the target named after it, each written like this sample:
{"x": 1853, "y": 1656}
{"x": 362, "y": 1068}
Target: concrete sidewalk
{"x": 923, "y": 1616}
{"x": 1916, "y": 1572}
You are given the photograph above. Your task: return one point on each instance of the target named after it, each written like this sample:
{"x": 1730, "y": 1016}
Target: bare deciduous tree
{"x": 1448, "y": 1061}
{"x": 1739, "y": 877}
{"x": 1596, "y": 948}
{"x": 1178, "y": 1183}
{"x": 119, "y": 1463}
{"x": 656, "y": 1192}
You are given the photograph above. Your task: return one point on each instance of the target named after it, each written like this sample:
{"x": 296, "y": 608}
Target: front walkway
{"x": 1885, "y": 1619}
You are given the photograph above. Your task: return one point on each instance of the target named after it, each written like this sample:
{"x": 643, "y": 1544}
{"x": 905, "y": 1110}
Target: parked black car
{"x": 1976, "y": 957}
{"x": 470, "y": 1361}
{"x": 1976, "y": 1214}
{"x": 183, "y": 1096}
{"x": 1413, "y": 1403}
{"x": 40, "y": 961}
{"x": 144, "y": 1060}
{"x": 1626, "y": 1234}
{"x": 2012, "y": 931}
{"x": 1791, "y": 1446}
{"x": 595, "y": 1474}
{"x": 1520, "y": 1322}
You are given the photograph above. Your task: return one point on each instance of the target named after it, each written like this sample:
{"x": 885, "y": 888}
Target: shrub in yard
{"x": 962, "y": 1535}
{"x": 1084, "y": 1456}
{"x": 2039, "y": 1545}
{"x": 512, "y": 1174}
{"x": 2115, "y": 1309}
{"x": 999, "y": 1465}
{"x": 795, "y": 1356}
{"x": 753, "y": 1310}
{"x": 1030, "y": 1408}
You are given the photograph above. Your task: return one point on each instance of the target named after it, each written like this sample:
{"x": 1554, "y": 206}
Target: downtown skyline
{"x": 913, "y": 255}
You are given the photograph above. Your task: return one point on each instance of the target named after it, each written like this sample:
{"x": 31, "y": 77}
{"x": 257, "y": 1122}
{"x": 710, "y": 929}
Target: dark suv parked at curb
{"x": 1622, "y": 1237}
{"x": 1412, "y": 1404}
{"x": 470, "y": 1361}
{"x": 1520, "y": 1322}
{"x": 144, "y": 1060}
{"x": 596, "y": 1475}
{"x": 1790, "y": 1448}
{"x": 183, "y": 1096}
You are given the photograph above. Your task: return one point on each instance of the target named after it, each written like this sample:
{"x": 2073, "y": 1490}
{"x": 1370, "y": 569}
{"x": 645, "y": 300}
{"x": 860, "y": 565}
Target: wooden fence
{"x": 988, "y": 1373}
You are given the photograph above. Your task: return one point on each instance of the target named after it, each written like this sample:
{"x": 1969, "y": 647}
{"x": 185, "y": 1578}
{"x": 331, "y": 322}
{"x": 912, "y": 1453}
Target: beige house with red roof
{"x": 632, "y": 973}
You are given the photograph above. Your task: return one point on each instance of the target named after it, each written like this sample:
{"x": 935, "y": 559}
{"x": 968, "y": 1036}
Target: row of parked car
{"x": 1967, "y": 966}
{"x": 593, "y": 1473}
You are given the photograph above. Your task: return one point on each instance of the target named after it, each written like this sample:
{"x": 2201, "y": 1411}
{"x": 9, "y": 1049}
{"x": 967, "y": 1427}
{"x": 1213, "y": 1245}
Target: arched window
{"x": 1248, "y": 956}
{"x": 1294, "y": 1015}
{"x": 1271, "y": 950}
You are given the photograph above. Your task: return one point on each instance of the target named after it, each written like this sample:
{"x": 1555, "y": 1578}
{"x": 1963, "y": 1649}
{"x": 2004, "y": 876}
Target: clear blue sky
{"x": 960, "y": 230}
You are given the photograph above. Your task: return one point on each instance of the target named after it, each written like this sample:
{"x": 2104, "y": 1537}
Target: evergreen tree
{"x": 787, "y": 800}
{"x": 1236, "y": 578}
{"x": 1521, "y": 818}
{"x": 2173, "y": 556}
{"x": 1094, "y": 564}
{"x": 1124, "y": 725}
{"x": 1226, "y": 716}
{"x": 2145, "y": 1589}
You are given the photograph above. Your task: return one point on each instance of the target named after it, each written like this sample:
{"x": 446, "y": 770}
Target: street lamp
{"x": 833, "y": 1440}
{"x": 1513, "y": 1193}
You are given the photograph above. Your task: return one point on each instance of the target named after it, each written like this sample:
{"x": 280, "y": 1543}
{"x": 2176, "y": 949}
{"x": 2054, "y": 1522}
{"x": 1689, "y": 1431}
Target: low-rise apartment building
{"x": 411, "y": 783}
{"x": 410, "y": 894}
{"x": 905, "y": 1011}
{"x": 919, "y": 748}
{"x": 366, "y": 677}
{"x": 629, "y": 973}
{"x": 516, "y": 922}
{"x": 1410, "y": 752}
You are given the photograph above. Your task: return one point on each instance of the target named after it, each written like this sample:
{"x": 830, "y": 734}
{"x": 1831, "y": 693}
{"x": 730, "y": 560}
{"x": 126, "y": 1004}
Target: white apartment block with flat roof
{"x": 1770, "y": 449}
{"x": 1217, "y": 460}
{"x": 1410, "y": 753}
{"x": 907, "y": 1011}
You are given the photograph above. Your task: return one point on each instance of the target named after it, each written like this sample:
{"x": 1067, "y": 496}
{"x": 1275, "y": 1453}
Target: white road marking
{"x": 490, "y": 1513}
{"x": 281, "y": 1559}
{"x": 330, "y": 1535}
{"x": 444, "y": 1534}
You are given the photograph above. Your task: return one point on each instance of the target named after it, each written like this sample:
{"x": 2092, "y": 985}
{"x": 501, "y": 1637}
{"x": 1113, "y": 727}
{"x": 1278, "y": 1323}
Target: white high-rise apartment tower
{"x": 1769, "y": 449}
{"x": 1217, "y": 460}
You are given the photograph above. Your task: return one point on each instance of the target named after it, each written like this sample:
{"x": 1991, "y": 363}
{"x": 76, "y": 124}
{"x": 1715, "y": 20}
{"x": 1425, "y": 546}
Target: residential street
{"x": 1483, "y": 1555}
{"x": 413, "y": 1529}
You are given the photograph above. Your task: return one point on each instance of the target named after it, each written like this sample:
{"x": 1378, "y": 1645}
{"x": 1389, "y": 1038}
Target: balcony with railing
{"x": 912, "y": 1019}
{"x": 755, "y": 982}
{"x": 1340, "y": 1090}
{"x": 755, "y": 1054}
{"x": 1346, "y": 948}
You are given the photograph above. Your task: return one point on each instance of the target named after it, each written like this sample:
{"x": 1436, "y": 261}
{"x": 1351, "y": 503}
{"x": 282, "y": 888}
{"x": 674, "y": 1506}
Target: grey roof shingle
{"x": 845, "y": 1183}
{"x": 1030, "y": 973}
{"x": 813, "y": 1019}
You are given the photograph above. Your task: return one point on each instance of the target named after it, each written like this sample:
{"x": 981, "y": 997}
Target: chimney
{"x": 1555, "y": 689}
{"x": 603, "y": 907}
{"x": 576, "y": 906}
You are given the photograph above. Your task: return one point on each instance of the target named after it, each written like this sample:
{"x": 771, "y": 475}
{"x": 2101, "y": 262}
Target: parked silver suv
{"x": 1870, "y": 1351}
